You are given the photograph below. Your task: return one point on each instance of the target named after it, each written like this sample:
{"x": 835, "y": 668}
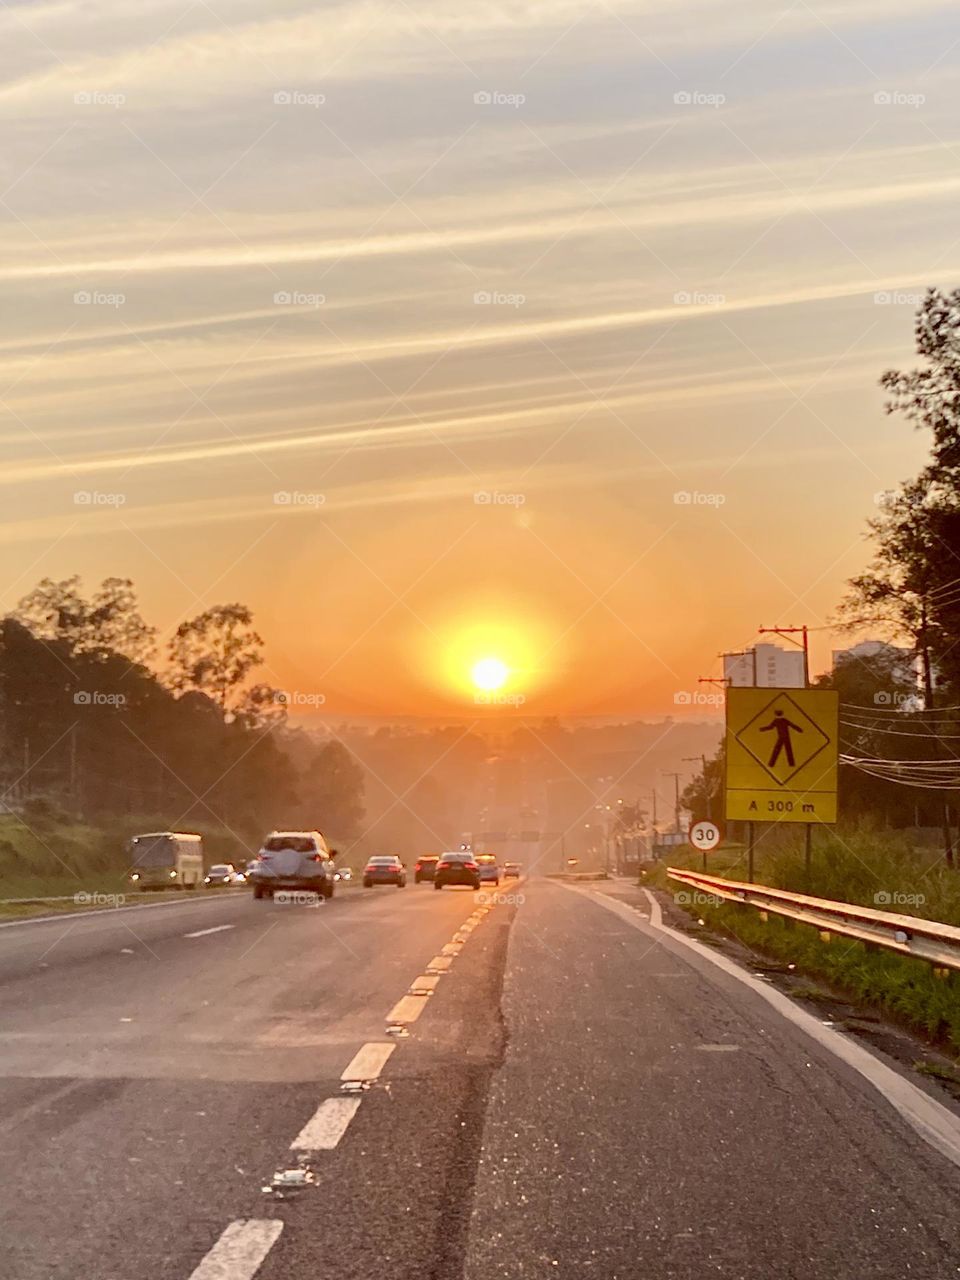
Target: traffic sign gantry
{"x": 781, "y": 755}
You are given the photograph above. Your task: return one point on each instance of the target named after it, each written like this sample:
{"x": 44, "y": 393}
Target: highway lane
{"x": 653, "y": 1117}
{"x": 150, "y": 1081}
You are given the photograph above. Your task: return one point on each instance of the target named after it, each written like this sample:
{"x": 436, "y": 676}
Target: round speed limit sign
{"x": 704, "y": 836}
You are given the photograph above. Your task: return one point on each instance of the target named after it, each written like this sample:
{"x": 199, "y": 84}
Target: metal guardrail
{"x": 938, "y": 944}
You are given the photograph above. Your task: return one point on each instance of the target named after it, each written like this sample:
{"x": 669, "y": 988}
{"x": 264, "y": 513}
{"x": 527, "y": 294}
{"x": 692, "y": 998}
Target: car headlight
{"x": 135, "y": 876}
{"x": 173, "y": 875}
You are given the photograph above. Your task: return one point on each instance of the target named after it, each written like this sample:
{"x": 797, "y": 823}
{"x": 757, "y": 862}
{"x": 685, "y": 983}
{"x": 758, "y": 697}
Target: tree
{"x": 929, "y": 397}
{"x": 214, "y": 653}
{"x": 110, "y": 622}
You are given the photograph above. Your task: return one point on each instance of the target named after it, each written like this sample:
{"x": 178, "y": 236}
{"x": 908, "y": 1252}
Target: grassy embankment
{"x": 46, "y": 855}
{"x": 875, "y": 869}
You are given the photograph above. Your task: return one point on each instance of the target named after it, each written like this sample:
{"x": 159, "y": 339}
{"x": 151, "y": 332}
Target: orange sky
{"x": 528, "y": 330}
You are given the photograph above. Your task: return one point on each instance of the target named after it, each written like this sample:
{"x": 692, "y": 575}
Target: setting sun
{"x": 489, "y": 673}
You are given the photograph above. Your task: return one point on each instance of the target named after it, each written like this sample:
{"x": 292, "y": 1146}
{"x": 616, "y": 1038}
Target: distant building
{"x": 867, "y": 649}
{"x": 767, "y": 666}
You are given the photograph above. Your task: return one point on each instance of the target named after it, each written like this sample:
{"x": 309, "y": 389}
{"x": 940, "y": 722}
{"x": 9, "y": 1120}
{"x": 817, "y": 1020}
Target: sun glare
{"x": 489, "y": 673}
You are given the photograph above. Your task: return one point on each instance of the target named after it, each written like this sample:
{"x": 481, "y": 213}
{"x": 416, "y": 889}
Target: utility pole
{"x": 676, "y": 793}
{"x": 702, "y": 761}
{"x": 930, "y": 700}
{"x": 787, "y": 633}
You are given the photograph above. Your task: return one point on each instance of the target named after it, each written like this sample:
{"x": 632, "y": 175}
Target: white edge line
{"x": 241, "y": 1249}
{"x": 935, "y": 1123}
{"x": 202, "y": 933}
{"x": 327, "y": 1125}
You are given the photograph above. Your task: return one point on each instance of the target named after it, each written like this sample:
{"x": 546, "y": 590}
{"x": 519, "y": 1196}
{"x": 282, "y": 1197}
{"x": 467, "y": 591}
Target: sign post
{"x": 704, "y": 836}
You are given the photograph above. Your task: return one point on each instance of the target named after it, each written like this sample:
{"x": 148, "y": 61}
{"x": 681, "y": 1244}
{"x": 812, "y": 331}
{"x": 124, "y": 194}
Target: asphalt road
{"x": 580, "y": 1096}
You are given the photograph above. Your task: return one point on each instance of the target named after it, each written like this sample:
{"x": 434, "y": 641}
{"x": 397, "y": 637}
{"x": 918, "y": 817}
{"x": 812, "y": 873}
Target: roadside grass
{"x": 45, "y": 854}
{"x": 871, "y": 868}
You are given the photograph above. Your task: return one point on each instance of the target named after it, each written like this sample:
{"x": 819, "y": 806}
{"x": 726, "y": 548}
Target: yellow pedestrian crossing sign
{"x": 781, "y": 755}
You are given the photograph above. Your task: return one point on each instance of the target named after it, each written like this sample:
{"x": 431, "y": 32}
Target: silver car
{"x": 295, "y": 860}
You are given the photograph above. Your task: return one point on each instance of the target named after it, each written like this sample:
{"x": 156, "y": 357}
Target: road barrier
{"x": 938, "y": 944}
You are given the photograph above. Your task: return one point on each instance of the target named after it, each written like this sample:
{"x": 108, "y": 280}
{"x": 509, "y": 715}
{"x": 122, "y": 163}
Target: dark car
{"x": 384, "y": 870}
{"x": 488, "y": 868}
{"x": 426, "y": 867}
{"x": 457, "y": 868}
{"x": 297, "y": 860}
{"x": 511, "y": 870}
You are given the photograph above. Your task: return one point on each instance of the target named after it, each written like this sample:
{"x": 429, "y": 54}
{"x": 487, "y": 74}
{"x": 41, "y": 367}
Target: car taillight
{"x": 443, "y": 866}
{"x": 471, "y": 866}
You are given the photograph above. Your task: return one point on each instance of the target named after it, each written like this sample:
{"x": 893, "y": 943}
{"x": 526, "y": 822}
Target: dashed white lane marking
{"x": 327, "y": 1125}
{"x": 238, "y": 1253}
{"x": 407, "y": 1009}
{"x": 424, "y": 983}
{"x": 451, "y": 948}
{"x": 202, "y": 933}
{"x": 441, "y": 963}
{"x": 718, "y": 1048}
{"x": 369, "y": 1061}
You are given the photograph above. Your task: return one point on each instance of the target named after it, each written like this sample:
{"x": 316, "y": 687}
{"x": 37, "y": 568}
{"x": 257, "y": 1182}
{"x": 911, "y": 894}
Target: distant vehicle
{"x": 343, "y": 873}
{"x": 166, "y": 860}
{"x": 511, "y": 870}
{"x": 384, "y": 870}
{"x": 223, "y": 873}
{"x": 488, "y": 868}
{"x": 298, "y": 860}
{"x": 457, "y": 868}
{"x": 426, "y": 867}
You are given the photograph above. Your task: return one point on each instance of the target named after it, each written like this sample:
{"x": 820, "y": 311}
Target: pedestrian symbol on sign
{"x": 783, "y": 728}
